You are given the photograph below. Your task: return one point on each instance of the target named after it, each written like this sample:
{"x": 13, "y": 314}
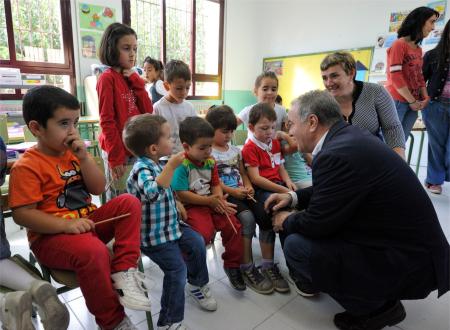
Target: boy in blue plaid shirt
{"x": 174, "y": 246}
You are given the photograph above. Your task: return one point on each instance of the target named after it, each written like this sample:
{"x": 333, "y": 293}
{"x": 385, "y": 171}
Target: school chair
{"x": 68, "y": 281}
{"x": 4, "y": 128}
{"x": 418, "y": 127}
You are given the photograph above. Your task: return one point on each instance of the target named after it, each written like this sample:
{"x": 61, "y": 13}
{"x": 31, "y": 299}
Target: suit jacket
{"x": 375, "y": 232}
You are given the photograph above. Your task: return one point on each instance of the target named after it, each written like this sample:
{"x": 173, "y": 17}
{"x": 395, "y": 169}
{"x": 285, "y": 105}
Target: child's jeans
{"x": 169, "y": 257}
{"x": 206, "y": 222}
{"x": 87, "y": 255}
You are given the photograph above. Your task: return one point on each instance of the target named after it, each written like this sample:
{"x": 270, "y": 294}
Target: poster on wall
{"x": 93, "y": 21}
{"x": 440, "y": 7}
{"x": 396, "y": 20}
{"x": 275, "y": 66}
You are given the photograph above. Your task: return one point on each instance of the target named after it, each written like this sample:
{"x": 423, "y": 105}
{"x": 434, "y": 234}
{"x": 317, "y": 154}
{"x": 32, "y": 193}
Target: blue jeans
{"x": 407, "y": 117}
{"x": 437, "y": 120}
{"x": 186, "y": 256}
{"x": 297, "y": 251}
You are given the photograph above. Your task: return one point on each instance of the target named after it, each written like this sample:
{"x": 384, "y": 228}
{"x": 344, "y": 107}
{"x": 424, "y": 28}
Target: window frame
{"x": 66, "y": 68}
{"x": 196, "y": 77}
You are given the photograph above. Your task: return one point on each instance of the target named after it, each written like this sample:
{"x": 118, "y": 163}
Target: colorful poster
{"x": 93, "y": 21}
{"x": 275, "y": 66}
{"x": 94, "y": 17}
{"x": 396, "y": 20}
{"x": 440, "y": 7}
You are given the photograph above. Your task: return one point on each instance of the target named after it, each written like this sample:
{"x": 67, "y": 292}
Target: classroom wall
{"x": 256, "y": 29}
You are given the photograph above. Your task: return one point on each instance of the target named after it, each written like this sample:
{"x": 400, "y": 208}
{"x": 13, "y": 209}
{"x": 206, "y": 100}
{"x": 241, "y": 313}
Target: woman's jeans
{"x": 407, "y": 117}
{"x": 437, "y": 120}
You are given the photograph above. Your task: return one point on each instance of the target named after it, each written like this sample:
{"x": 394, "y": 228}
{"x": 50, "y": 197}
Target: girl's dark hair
{"x": 265, "y": 74}
{"x": 157, "y": 64}
{"x": 221, "y": 117}
{"x": 413, "y": 24}
{"x": 108, "y": 52}
{"x": 443, "y": 47}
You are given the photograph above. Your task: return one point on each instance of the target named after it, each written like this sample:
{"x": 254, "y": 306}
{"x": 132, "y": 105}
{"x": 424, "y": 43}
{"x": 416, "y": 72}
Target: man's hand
{"x": 278, "y": 219}
{"x": 78, "y": 226}
{"x": 76, "y": 145}
{"x": 277, "y": 201}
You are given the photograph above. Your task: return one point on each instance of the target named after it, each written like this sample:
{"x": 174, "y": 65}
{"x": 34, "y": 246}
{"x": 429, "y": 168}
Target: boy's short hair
{"x": 261, "y": 110}
{"x": 40, "y": 102}
{"x": 176, "y": 69}
{"x": 221, "y": 117}
{"x": 141, "y": 131}
{"x": 194, "y": 128}
{"x": 108, "y": 52}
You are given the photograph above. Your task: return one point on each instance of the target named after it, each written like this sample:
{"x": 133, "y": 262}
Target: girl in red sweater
{"x": 121, "y": 95}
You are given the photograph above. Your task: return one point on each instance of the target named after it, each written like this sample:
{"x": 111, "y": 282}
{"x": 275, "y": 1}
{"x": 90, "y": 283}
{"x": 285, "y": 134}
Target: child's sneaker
{"x": 126, "y": 324}
{"x": 235, "y": 277}
{"x": 203, "y": 296}
{"x": 15, "y": 311}
{"x": 256, "y": 281}
{"x": 131, "y": 289}
{"x": 54, "y": 314}
{"x": 173, "y": 326}
{"x": 278, "y": 281}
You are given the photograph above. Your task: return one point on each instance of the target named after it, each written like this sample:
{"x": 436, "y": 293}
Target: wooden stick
{"x": 112, "y": 219}
{"x": 231, "y": 223}
{"x": 250, "y": 197}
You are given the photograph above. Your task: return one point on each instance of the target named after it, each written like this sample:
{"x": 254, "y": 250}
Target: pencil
{"x": 112, "y": 219}
{"x": 231, "y": 223}
{"x": 250, "y": 197}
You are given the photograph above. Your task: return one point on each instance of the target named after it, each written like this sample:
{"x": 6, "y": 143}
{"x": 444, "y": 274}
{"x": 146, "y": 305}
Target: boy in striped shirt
{"x": 175, "y": 247}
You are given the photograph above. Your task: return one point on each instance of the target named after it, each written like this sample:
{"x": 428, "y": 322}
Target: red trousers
{"x": 206, "y": 222}
{"x": 87, "y": 255}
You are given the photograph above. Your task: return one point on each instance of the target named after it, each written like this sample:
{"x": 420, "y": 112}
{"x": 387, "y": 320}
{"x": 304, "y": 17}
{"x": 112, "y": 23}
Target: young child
{"x": 264, "y": 162}
{"x": 240, "y": 191}
{"x": 266, "y": 91}
{"x": 121, "y": 95}
{"x": 197, "y": 184}
{"x": 163, "y": 238}
{"x": 50, "y": 191}
{"x": 154, "y": 74}
{"x": 26, "y": 287}
{"x": 173, "y": 106}
{"x": 294, "y": 163}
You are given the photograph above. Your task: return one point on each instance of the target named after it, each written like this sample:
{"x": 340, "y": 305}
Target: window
{"x": 187, "y": 30}
{"x": 36, "y": 37}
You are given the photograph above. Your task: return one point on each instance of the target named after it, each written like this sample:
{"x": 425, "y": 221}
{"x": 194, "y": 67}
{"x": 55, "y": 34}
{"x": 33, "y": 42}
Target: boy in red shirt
{"x": 264, "y": 162}
{"x": 50, "y": 195}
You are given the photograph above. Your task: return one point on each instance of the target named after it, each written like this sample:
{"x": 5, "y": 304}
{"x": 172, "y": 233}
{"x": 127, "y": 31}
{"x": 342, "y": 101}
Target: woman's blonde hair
{"x": 344, "y": 59}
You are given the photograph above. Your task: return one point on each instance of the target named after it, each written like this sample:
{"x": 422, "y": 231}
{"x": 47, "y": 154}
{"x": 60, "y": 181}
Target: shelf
{"x": 18, "y": 86}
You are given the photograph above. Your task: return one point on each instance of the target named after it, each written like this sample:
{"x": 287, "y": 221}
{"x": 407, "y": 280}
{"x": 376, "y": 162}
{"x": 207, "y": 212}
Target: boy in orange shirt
{"x": 50, "y": 187}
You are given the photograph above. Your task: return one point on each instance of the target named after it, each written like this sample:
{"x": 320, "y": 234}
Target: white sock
{"x": 14, "y": 277}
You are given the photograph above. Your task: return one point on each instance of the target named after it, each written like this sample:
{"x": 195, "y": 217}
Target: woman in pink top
{"x": 404, "y": 66}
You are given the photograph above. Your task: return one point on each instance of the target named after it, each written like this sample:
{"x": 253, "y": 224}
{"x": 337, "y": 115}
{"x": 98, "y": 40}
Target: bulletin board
{"x": 298, "y": 74}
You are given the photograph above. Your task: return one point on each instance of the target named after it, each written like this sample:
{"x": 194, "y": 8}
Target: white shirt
{"x": 174, "y": 113}
{"x": 279, "y": 110}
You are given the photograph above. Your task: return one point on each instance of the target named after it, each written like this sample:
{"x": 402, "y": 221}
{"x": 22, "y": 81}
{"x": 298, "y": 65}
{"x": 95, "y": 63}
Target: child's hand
{"x": 78, "y": 226}
{"x": 176, "y": 160}
{"x": 127, "y": 72}
{"x": 250, "y": 190}
{"x": 215, "y": 202}
{"x": 76, "y": 145}
{"x": 280, "y": 135}
{"x": 291, "y": 185}
{"x": 182, "y": 210}
{"x": 225, "y": 206}
{"x": 239, "y": 193}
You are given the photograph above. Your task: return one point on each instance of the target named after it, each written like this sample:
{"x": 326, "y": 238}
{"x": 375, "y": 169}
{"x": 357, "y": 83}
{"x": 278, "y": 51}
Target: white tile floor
{"x": 249, "y": 310}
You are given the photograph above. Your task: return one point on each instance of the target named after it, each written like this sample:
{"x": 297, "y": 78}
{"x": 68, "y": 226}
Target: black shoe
{"x": 303, "y": 287}
{"x": 390, "y": 314}
{"x": 235, "y": 277}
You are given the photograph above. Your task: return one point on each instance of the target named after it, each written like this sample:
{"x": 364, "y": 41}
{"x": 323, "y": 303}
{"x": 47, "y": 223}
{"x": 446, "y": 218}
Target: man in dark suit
{"x": 368, "y": 234}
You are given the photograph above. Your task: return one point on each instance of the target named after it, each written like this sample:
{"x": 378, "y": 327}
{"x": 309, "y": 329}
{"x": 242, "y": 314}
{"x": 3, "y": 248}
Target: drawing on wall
{"x": 396, "y": 20}
{"x": 275, "y": 66}
{"x": 93, "y": 21}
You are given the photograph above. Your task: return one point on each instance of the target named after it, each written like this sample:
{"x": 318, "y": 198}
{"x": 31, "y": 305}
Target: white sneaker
{"x": 203, "y": 296}
{"x": 54, "y": 314}
{"x": 125, "y": 325}
{"x": 15, "y": 311}
{"x": 131, "y": 289}
{"x": 173, "y": 326}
